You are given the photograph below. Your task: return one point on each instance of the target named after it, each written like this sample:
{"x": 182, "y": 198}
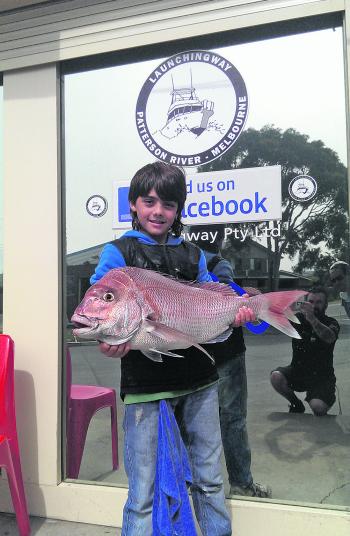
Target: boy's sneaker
{"x": 254, "y": 490}
{"x": 298, "y": 407}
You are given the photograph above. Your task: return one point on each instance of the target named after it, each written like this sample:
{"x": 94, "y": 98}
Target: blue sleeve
{"x": 223, "y": 271}
{"x": 203, "y": 274}
{"x": 110, "y": 258}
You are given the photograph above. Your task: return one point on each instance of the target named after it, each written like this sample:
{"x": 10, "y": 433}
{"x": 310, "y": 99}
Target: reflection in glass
{"x": 83, "y": 402}
{"x": 292, "y": 122}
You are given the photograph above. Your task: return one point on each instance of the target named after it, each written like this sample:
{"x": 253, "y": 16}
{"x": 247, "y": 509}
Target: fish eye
{"x": 108, "y": 297}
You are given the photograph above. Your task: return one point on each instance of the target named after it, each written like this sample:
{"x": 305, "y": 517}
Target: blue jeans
{"x": 198, "y": 419}
{"x": 233, "y": 413}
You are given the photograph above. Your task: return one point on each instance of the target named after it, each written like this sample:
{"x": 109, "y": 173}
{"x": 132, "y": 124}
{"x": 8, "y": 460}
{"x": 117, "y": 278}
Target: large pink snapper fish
{"x": 158, "y": 313}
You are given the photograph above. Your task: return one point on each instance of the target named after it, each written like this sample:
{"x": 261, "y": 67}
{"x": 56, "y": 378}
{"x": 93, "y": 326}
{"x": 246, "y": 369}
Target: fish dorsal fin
{"x": 221, "y": 288}
{"x": 206, "y": 285}
{"x": 251, "y": 291}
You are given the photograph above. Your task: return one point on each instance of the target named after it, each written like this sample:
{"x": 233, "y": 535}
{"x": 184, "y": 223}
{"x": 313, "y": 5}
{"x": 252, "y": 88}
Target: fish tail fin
{"x": 275, "y": 309}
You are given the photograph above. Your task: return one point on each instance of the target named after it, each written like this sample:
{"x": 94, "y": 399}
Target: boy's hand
{"x": 245, "y": 314}
{"x": 119, "y": 350}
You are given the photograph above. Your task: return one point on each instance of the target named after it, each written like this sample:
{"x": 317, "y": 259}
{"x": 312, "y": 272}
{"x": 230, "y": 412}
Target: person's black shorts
{"x": 321, "y": 388}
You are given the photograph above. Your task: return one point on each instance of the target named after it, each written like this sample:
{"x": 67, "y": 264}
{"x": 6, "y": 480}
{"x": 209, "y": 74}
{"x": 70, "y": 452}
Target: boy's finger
{"x": 114, "y": 350}
{"x": 244, "y": 315}
{"x": 104, "y": 347}
{"x": 119, "y": 351}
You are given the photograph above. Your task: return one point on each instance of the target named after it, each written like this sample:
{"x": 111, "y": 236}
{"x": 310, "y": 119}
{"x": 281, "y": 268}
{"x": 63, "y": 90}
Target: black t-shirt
{"x": 311, "y": 355}
{"x": 139, "y": 374}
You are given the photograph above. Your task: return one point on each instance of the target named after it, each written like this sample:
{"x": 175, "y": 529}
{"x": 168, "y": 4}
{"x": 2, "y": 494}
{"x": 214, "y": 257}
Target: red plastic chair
{"x": 83, "y": 401}
{"x": 9, "y": 451}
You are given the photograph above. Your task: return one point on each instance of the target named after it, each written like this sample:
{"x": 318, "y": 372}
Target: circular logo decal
{"x": 302, "y": 188}
{"x": 96, "y": 206}
{"x": 191, "y": 108}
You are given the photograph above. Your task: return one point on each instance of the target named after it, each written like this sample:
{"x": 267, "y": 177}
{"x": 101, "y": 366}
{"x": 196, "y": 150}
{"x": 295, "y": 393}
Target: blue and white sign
{"x": 231, "y": 196}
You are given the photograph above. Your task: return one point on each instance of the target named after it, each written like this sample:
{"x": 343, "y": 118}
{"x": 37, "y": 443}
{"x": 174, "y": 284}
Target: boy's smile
{"x": 156, "y": 216}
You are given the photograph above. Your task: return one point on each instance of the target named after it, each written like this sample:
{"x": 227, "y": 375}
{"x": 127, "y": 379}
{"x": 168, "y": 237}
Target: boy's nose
{"x": 157, "y": 208}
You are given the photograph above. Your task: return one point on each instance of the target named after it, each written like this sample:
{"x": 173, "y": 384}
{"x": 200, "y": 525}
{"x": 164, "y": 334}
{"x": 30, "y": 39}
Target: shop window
{"x": 296, "y": 120}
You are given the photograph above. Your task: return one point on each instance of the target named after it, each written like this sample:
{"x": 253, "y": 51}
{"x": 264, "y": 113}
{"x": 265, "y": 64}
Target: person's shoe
{"x": 254, "y": 490}
{"x": 298, "y": 407}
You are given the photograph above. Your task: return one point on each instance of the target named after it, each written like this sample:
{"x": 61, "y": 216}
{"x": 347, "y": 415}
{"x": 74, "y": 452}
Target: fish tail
{"x": 274, "y": 308}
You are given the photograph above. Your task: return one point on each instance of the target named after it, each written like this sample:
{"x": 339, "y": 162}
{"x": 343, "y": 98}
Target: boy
{"x": 157, "y": 195}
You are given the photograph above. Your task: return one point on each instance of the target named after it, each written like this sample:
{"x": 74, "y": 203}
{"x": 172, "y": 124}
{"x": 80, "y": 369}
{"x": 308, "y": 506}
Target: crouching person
{"x": 311, "y": 369}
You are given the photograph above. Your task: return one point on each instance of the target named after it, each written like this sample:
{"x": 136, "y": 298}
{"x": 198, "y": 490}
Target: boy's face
{"x": 155, "y": 215}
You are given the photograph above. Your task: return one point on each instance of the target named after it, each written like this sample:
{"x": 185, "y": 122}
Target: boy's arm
{"x": 110, "y": 258}
{"x": 224, "y": 272}
{"x": 203, "y": 274}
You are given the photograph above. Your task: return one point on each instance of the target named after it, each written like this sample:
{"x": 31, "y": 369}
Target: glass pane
{"x": 295, "y": 120}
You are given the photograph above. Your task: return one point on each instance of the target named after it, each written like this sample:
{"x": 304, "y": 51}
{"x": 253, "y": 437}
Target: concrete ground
{"x": 53, "y": 527}
{"x": 305, "y": 459}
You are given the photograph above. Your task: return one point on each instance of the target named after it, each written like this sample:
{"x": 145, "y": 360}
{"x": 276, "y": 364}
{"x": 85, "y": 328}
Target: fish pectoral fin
{"x": 222, "y": 337}
{"x": 171, "y": 354}
{"x": 173, "y": 335}
{"x": 199, "y": 347}
{"x": 154, "y": 355}
{"x": 164, "y": 332}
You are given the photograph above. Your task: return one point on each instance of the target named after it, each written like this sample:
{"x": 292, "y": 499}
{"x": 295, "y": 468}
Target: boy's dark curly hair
{"x": 170, "y": 184}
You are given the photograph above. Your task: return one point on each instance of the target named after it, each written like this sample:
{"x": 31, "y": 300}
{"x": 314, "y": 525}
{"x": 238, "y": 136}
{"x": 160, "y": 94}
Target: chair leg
{"x": 15, "y": 480}
{"x": 114, "y": 433}
{"x": 76, "y": 437}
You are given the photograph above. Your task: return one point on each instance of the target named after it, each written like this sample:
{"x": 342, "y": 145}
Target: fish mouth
{"x": 83, "y": 325}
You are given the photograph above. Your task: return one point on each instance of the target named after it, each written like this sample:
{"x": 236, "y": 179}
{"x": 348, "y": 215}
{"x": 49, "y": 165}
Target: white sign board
{"x": 230, "y": 196}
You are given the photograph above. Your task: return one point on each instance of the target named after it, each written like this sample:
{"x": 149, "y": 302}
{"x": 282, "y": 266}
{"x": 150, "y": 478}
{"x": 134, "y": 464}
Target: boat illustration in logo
{"x": 187, "y": 113}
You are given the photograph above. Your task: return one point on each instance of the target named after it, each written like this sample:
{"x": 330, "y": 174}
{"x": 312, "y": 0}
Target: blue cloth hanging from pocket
{"x": 172, "y": 514}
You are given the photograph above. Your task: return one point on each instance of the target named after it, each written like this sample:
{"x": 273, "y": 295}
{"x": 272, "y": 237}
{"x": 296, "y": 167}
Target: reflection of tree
{"x": 316, "y": 229}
